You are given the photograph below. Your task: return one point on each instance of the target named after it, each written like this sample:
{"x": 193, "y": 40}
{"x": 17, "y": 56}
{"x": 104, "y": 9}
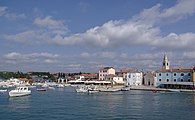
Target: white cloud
{"x": 57, "y": 26}
{"x": 4, "y": 12}
{"x": 140, "y": 30}
{"x": 15, "y": 57}
{"x": 182, "y": 9}
{"x": 103, "y": 55}
{"x": 189, "y": 55}
{"x": 173, "y": 41}
{"x": 29, "y": 37}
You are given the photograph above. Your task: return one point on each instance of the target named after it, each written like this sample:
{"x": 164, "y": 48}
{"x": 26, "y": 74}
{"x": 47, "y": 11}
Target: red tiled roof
{"x": 89, "y": 75}
{"x": 22, "y": 79}
{"x": 130, "y": 71}
{"x": 176, "y": 70}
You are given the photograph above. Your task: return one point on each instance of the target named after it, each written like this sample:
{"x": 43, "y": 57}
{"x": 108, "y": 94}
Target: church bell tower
{"x": 166, "y": 64}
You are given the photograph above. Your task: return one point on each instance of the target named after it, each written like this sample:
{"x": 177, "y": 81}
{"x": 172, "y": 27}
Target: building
{"x": 175, "y": 78}
{"x": 123, "y": 73}
{"x": 134, "y": 77}
{"x": 115, "y": 80}
{"x": 166, "y": 63}
{"x": 149, "y": 79}
{"x": 104, "y": 72}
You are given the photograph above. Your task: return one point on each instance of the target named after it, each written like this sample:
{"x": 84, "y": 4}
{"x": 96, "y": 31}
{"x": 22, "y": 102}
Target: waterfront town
{"x": 166, "y": 78}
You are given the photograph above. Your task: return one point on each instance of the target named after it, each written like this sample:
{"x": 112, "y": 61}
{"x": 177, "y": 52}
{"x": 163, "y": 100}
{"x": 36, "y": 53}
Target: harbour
{"x": 65, "y": 103}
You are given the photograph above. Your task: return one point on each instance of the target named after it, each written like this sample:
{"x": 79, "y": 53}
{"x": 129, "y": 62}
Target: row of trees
{"x": 8, "y": 75}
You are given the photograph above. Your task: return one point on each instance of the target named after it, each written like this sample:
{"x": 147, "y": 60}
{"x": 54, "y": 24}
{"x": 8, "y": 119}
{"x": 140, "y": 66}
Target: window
{"x": 174, "y": 74}
{"x": 181, "y": 80}
{"x": 189, "y": 80}
{"x": 167, "y": 74}
{"x": 174, "y": 80}
{"x": 159, "y": 74}
{"x": 189, "y": 74}
{"x": 182, "y": 74}
{"x": 167, "y": 64}
{"x": 167, "y": 80}
{"x": 159, "y": 79}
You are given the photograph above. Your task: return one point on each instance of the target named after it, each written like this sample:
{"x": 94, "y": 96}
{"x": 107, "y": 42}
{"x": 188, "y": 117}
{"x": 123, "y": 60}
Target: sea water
{"x": 65, "y": 104}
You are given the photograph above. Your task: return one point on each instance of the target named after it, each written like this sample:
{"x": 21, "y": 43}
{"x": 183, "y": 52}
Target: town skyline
{"x": 74, "y": 36}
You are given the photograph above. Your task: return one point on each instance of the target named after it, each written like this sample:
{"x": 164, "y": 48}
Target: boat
{"x": 154, "y": 91}
{"x": 81, "y": 90}
{"x": 125, "y": 88}
{"x": 41, "y": 89}
{"x": 110, "y": 89}
{"x": 45, "y": 85}
{"x": 173, "y": 90}
{"x": 60, "y": 86}
{"x": 20, "y": 91}
{"x": 93, "y": 90}
{"x": 3, "y": 90}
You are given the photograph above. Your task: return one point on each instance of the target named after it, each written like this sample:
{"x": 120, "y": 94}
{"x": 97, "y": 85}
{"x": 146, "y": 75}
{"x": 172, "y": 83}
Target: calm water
{"x": 64, "y": 104}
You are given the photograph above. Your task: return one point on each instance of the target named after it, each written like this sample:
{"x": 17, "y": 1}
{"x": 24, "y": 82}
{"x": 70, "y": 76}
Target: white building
{"x": 104, "y": 72}
{"x": 134, "y": 77}
{"x": 118, "y": 80}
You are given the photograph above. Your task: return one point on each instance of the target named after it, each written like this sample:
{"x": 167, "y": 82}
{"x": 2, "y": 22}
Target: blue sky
{"x": 85, "y": 35}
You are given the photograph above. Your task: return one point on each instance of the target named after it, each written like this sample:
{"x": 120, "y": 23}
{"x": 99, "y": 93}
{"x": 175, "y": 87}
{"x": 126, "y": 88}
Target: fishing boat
{"x": 20, "y": 91}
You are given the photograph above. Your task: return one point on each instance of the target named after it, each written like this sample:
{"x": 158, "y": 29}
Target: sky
{"x": 86, "y": 35}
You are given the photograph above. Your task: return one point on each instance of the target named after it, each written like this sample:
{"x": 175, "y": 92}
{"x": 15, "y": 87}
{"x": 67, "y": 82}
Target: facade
{"x": 123, "y": 73}
{"x": 175, "y": 78}
{"x": 115, "y": 80}
{"x": 150, "y": 79}
{"x": 104, "y": 72}
{"x": 134, "y": 77}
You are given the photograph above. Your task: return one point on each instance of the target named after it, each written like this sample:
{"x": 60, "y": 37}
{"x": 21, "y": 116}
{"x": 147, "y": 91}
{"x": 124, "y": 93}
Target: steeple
{"x": 166, "y": 64}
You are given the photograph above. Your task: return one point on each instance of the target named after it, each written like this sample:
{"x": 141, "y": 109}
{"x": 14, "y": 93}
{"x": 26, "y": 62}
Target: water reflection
{"x": 19, "y": 103}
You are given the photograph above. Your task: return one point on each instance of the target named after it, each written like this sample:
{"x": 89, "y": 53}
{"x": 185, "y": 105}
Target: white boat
{"x": 45, "y": 85}
{"x": 109, "y": 89}
{"x": 93, "y": 89}
{"x": 20, "y": 91}
{"x": 125, "y": 88}
{"x": 81, "y": 90}
{"x": 173, "y": 90}
{"x": 1, "y": 91}
{"x": 60, "y": 86}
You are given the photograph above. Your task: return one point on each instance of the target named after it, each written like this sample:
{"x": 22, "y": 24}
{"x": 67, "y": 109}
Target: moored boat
{"x": 4, "y": 90}
{"x": 81, "y": 89}
{"x": 173, "y": 90}
{"x": 20, "y": 91}
{"x": 41, "y": 89}
{"x": 125, "y": 88}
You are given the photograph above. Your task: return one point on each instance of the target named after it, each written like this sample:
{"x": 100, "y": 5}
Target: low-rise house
{"x": 115, "y": 80}
{"x": 104, "y": 72}
{"x": 149, "y": 79}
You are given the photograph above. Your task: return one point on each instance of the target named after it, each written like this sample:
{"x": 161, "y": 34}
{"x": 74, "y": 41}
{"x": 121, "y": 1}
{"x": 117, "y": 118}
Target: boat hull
{"x": 15, "y": 93}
